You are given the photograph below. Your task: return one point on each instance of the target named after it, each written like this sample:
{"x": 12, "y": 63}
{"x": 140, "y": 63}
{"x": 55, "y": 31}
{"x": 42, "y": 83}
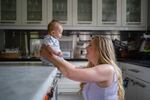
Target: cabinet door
{"x": 109, "y": 12}
{"x": 34, "y": 12}
{"x": 143, "y": 90}
{"x": 10, "y": 12}
{"x": 134, "y": 12}
{"x": 146, "y": 92}
{"x": 84, "y": 12}
{"x": 131, "y": 90}
{"x": 60, "y": 10}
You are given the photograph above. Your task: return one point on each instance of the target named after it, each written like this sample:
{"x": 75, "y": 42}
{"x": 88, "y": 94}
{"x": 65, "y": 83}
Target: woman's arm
{"x": 98, "y": 73}
{"x": 54, "y": 51}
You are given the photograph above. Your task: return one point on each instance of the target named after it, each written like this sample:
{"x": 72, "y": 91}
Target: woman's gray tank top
{"x": 92, "y": 91}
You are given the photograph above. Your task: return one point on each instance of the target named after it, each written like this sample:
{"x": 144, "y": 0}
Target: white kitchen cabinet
{"x": 138, "y": 82}
{"x": 10, "y": 12}
{"x": 137, "y": 89}
{"x": 131, "y": 90}
{"x": 139, "y": 72}
{"x": 74, "y": 14}
{"x": 34, "y": 12}
{"x": 60, "y": 10}
{"x": 122, "y": 14}
{"x": 84, "y": 12}
{"x": 146, "y": 92}
{"x": 99, "y": 14}
{"x": 109, "y": 13}
{"x": 134, "y": 13}
{"x": 143, "y": 90}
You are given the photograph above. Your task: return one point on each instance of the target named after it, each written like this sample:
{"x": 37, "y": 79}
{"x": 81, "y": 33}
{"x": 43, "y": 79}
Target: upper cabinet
{"x": 34, "y": 12}
{"x": 60, "y": 10}
{"x": 134, "y": 12}
{"x": 109, "y": 13}
{"x": 74, "y": 14}
{"x": 84, "y": 12}
{"x": 10, "y": 12}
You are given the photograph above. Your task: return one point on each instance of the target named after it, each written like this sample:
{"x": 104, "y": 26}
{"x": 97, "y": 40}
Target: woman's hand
{"x": 60, "y": 54}
{"x": 44, "y": 52}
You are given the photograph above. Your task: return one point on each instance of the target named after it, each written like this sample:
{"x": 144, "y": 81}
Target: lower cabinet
{"x": 143, "y": 90}
{"x": 137, "y": 85}
{"x": 137, "y": 89}
{"x": 147, "y": 93}
{"x": 130, "y": 89}
{"x": 66, "y": 85}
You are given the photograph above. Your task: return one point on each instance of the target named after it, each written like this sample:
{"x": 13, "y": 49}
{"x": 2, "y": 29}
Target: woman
{"x": 102, "y": 79}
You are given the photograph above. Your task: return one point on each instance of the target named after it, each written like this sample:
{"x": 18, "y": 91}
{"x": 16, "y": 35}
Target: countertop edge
{"x": 136, "y": 63}
{"x": 36, "y": 60}
{"x": 43, "y": 89}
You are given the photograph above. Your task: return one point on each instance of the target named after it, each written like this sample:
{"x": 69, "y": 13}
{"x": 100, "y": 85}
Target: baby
{"x": 51, "y": 40}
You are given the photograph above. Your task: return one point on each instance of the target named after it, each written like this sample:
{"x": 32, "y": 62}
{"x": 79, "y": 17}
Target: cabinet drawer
{"x": 139, "y": 72}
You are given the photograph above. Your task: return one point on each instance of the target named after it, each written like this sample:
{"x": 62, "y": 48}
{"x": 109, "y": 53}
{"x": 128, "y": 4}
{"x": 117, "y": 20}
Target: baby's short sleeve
{"x": 47, "y": 41}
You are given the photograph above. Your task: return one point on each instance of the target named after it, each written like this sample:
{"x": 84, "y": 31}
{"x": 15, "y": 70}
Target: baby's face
{"x": 57, "y": 33}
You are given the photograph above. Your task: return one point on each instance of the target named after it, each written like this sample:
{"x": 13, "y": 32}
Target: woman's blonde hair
{"x": 106, "y": 51}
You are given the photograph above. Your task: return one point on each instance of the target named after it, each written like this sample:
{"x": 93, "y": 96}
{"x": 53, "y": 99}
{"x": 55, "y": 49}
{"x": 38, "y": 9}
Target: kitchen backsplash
{"x": 26, "y": 43}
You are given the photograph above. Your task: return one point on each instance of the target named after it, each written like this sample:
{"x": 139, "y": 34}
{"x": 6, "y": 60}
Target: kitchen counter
{"x": 140, "y": 62}
{"x": 25, "y": 81}
{"x": 37, "y": 59}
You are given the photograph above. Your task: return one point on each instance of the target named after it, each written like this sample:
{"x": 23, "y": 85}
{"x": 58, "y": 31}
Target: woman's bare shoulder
{"x": 105, "y": 68}
{"x": 110, "y": 66}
